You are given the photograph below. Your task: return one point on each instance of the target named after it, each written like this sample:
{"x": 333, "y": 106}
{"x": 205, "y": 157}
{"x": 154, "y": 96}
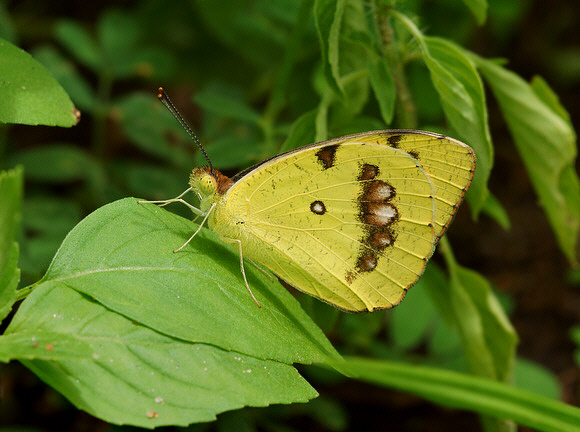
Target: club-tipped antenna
{"x": 162, "y": 96}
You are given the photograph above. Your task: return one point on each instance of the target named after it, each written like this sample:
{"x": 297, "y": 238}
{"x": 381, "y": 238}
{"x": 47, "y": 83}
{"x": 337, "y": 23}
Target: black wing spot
{"x": 393, "y": 140}
{"x": 414, "y": 154}
{"x": 368, "y": 172}
{"x": 317, "y": 207}
{"x": 327, "y": 155}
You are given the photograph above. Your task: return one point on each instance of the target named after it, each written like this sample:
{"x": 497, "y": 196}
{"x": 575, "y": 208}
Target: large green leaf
{"x": 546, "y": 143}
{"x": 127, "y": 373}
{"x": 29, "y": 93}
{"x": 10, "y": 214}
{"x": 121, "y": 256}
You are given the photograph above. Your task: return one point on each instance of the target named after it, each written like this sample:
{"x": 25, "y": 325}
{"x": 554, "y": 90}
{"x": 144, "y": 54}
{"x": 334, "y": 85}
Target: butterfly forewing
{"x": 350, "y": 223}
{"x": 449, "y": 163}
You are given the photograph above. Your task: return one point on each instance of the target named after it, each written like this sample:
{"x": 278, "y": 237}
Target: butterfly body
{"x": 351, "y": 221}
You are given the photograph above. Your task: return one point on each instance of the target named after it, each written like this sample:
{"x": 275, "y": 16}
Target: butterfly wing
{"x": 351, "y": 221}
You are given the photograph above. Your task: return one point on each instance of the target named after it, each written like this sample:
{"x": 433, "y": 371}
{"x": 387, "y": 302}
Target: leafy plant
{"x": 134, "y": 334}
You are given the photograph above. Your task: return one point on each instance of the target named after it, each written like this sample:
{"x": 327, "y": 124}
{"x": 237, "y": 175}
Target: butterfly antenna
{"x": 162, "y": 96}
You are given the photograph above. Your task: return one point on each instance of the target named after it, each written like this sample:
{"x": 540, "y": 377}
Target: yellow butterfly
{"x": 351, "y": 221}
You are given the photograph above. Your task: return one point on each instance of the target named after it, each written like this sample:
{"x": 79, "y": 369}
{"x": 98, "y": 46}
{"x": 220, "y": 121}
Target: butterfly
{"x": 351, "y": 221}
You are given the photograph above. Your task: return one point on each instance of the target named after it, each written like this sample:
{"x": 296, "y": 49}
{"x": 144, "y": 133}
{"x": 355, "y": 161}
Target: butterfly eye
{"x": 207, "y": 184}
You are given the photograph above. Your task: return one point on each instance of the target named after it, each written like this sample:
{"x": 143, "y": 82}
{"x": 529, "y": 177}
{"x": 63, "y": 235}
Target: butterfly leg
{"x": 163, "y": 203}
{"x": 197, "y": 230}
{"x": 239, "y": 242}
{"x": 262, "y": 269}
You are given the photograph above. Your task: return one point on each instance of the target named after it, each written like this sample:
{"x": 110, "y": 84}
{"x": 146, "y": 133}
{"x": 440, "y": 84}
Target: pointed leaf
{"x": 29, "y": 93}
{"x": 546, "y": 143}
{"x": 383, "y": 85}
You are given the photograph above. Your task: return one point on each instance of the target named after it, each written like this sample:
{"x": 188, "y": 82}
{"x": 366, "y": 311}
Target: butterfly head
{"x": 209, "y": 185}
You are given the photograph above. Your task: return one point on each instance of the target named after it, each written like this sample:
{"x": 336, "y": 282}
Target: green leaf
{"x": 230, "y": 152}
{"x": 57, "y": 163}
{"x": 546, "y": 143}
{"x": 46, "y": 222}
{"x": 328, "y": 19}
{"x": 264, "y": 27}
{"x": 80, "y": 44}
{"x": 547, "y": 95}
{"x": 536, "y": 378}
{"x": 11, "y": 184}
{"x": 29, "y": 93}
{"x": 118, "y": 35}
{"x": 152, "y": 181}
{"x": 493, "y": 208}
{"x": 383, "y": 85}
{"x": 461, "y": 92}
{"x": 412, "y": 319}
{"x": 302, "y": 132}
{"x": 488, "y": 337}
{"x": 135, "y": 375}
{"x": 467, "y": 392}
{"x": 478, "y": 9}
{"x": 67, "y": 75}
{"x": 154, "y": 130}
{"x": 227, "y": 102}
{"x": 121, "y": 256}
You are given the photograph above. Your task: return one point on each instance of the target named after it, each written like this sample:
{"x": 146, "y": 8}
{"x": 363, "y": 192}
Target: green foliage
{"x": 135, "y": 334}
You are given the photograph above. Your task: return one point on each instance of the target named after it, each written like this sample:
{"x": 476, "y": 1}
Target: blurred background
{"x": 219, "y": 61}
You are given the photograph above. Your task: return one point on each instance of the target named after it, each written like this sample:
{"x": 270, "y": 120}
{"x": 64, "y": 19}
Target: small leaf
{"x": 546, "y": 143}
{"x": 488, "y": 338}
{"x": 80, "y": 44}
{"x": 536, "y": 378}
{"x": 118, "y": 35}
{"x": 478, "y": 9}
{"x": 46, "y": 223}
{"x": 10, "y": 215}
{"x": 135, "y": 375}
{"x": 227, "y": 102}
{"x": 383, "y": 85}
{"x": 411, "y": 320}
{"x": 301, "y": 133}
{"x": 230, "y": 152}
{"x": 328, "y": 19}
{"x": 29, "y": 93}
{"x": 57, "y": 163}
{"x": 153, "y": 129}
